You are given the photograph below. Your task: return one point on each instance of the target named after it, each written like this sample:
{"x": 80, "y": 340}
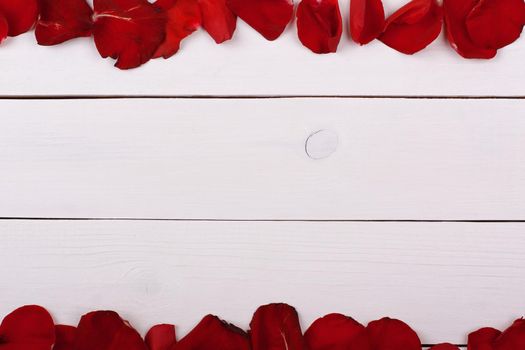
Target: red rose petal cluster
{"x": 273, "y": 327}
{"x": 134, "y": 31}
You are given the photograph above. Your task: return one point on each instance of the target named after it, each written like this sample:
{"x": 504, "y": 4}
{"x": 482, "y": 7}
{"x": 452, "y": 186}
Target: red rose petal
{"x": 62, "y": 20}
{"x": 21, "y": 15}
{"x": 336, "y": 332}
{"x": 268, "y": 17}
{"x": 184, "y": 17}
{"x": 276, "y": 327}
{"x": 444, "y": 346}
{"x": 413, "y": 27}
{"x": 105, "y": 330}
{"x": 319, "y": 25}
{"x": 367, "y": 20}
{"x": 29, "y": 327}
{"x": 455, "y": 14}
{"x": 129, "y": 31}
{"x": 4, "y": 28}
{"x": 65, "y": 337}
{"x": 213, "y": 333}
{"x": 493, "y": 24}
{"x": 161, "y": 337}
{"x": 218, "y": 20}
{"x": 392, "y": 334}
{"x": 513, "y": 338}
{"x": 482, "y": 339}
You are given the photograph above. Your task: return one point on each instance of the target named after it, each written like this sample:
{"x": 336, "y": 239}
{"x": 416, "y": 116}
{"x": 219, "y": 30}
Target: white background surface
{"x": 251, "y": 217}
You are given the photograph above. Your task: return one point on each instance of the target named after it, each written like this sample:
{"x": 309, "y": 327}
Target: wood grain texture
{"x": 445, "y": 279}
{"x": 250, "y": 65}
{"x": 245, "y": 159}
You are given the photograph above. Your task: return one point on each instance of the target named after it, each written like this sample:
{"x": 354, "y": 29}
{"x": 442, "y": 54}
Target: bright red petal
{"x": 319, "y": 25}
{"x": 62, "y": 20}
{"x": 129, "y": 31}
{"x": 391, "y": 334}
{"x": 29, "y": 325}
{"x": 482, "y": 339}
{"x": 336, "y": 332}
{"x": 218, "y": 20}
{"x": 184, "y": 17}
{"x": 413, "y": 27}
{"x": 367, "y": 20}
{"x": 65, "y": 337}
{"x": 444, "y": 346}
{"x": 268, "y": 17}
{"x": 21, "y": 15}
{"x": 214, "y": 334}
{"x": 4, "y": 28}
{"x": 105, "y": 330}
{"x": 493, "y": 24}
{"x": 161, "y": 337}
{"x": 456, "y": 13}
{"x": 513, "y": 338}
{"x": 276, "y": 327}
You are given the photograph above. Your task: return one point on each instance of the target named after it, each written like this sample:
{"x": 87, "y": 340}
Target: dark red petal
{"x": 218, "y": 20}
{"x": 413, "y": 27}
{"x": 444, "y": 346}
{"x": 21, "y": 15}
{"x": 319, "y": 25}
{"x": 392, "y": 334}
{"x": 105, "y": 330}
{"x": 513, "y": 338}
{"x": 65, "y": 337}
{"x": 456, "y": 13}
{"x": 268, "y": 17}
{"x": 129, "y": 31}
{"x": 62, "y": 20}
{"x": 482, "y": 339}
{"x": 214, "y": 334}
{"x": 161, "y": 337}
{"x": 336, "y": 332}
{"x": 184, "y": 17}
{"x": 28, "y": 325}
{"x": 367, "y": 20}
{"x": 493, "y": 24}
{"x": 276, "y": 327}
{"x": 4, "y": 28}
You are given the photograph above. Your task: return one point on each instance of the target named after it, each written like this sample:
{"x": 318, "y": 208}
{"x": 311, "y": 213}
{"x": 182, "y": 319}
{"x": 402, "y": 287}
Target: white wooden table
{"x": 365, "y": 182}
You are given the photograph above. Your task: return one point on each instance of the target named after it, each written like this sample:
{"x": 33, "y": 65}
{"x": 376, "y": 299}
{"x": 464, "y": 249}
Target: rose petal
{"x": 392, "y": 334}
{"x": 184, "y": 17}
{"x": 268, "y": 17}
{"x": 218, "y": 20}
{"x": 336, "y": 332}
{"x": 482, "y": 339}
{"x": 276, "y": 327}
{"x": 213, "y": 333}
{"x": 65, "y": 337}
{"x": 29, "y": 325}
{"x": 493, "y": 24}
{"x": 513, "y": 338}
{"x": 444, "y": 346}
{"x": 129, "y": 31}
{"x": 105, "y": 330}
{"x": 4, "y": 28}
{"x": 413, "y": 27}
{"x": 21, "y": 15}
{"x": 319, "y": 25}
{"x": 455, "y": 14}
{"x": 161, "y": 337}
{"x": 62, "y": 20}
{"x": 367, "y": 20}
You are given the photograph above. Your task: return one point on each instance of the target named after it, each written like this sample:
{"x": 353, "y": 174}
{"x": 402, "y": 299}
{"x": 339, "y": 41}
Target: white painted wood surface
{"x": 250, "y": 65}
{"x": 445, "y": 279}
{"x": 246, "y": 159}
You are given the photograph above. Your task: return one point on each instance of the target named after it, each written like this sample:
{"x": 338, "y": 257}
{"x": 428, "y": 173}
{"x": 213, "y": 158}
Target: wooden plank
{"x": 445, "y": 279}
{"x": 245, "y": 159}
{"x": 250, "y": 65}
